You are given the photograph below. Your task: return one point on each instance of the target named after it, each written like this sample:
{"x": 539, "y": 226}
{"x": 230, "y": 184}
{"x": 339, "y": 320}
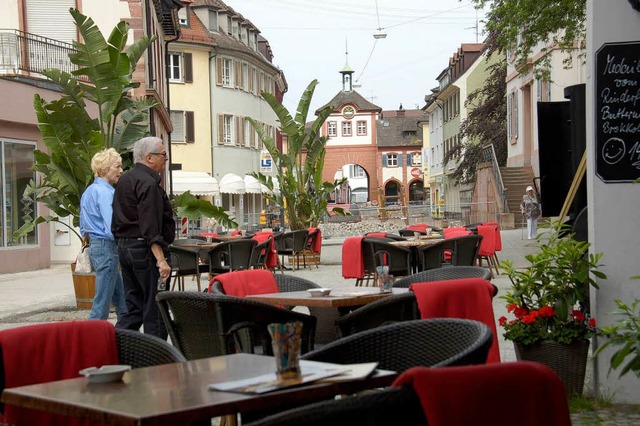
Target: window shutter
{"x": 238, "y": 130}
{"x": 189, "y": 131}
{"x": 188, "y": 68}
{"x": 237, "y": 74}
{"x": 220, "y": 129}
{"x": 384, "y": 160}
{"x": 240, "y": 139}
{"x": 219, "y": 71}
{"x": 409, "y": 159}
{"x": 515, "y": 114}
{"x": 399, "y": 160}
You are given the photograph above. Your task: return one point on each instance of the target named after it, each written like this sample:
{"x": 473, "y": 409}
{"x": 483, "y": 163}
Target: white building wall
{"x": 561, "y": 78}
{"x": 613, "y": 208}
{"x": 354, "y": 139}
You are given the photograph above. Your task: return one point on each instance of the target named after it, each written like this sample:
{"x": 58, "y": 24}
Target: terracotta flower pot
{"x": 568, "y": 361}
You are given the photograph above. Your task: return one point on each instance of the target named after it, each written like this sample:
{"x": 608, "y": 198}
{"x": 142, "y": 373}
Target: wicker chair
{"x": 400, "y": 307}
{"x": 434, "y": 342}
{"x": 432, "y": 256}
{"x": 260, "y": 254}
{"x": 292, "y": 244}
{"x": 398, "y": 258}
{"x": 143, "y": 350}
{"x": 380, "y": 407}
{"x": 184, "y": 262}
{"x": 446, "y": 273}
{"x": 367, "y": 260}
{"x": 465, "y": 250}
{"x": 326, "y": 330}
{"x": 203, "y": 325}
{"x": 231, "y": 256}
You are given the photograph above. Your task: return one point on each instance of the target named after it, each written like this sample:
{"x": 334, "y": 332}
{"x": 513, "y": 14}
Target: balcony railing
{"x": 25, "y": 53}
{"x": 489, "y": 155}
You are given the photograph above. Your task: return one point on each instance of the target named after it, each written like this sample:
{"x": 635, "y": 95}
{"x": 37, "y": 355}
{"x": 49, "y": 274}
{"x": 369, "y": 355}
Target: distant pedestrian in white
{"x": 530, "y": 208}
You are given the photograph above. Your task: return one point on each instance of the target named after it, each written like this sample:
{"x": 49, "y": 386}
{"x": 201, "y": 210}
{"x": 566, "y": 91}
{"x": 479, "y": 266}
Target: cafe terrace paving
{"x": 47, "y": 295}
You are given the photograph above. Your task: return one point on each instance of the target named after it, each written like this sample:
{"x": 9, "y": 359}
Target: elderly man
{"x": 143, "y": 226}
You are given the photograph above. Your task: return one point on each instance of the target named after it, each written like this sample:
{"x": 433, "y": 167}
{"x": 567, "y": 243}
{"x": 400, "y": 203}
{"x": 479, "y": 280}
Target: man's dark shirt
{"x": 141, "y": 208}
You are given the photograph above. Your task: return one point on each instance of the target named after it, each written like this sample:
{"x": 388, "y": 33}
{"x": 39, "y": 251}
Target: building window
{"x": 226, "y": 72}
{"x": 227, "y": 132}
{"x": 332, "y": 129}
{"x": 16, "y": 159}
{"x": 362, "y": 128}
{"x": 544, "y": 90}
{"x": 392, "y": 160}
{"x": 183, "y": 127}
{"x": 416, "y": 159}
{"x": 356, "y": 171}
{"x": 346, "y": 128}
{"x": 512, "y": 116}
{"x": 183, "y": 16}
{"x": 213, "y": 21}
{"x": 229, "y": 26}
{"x": 174, "y": 67}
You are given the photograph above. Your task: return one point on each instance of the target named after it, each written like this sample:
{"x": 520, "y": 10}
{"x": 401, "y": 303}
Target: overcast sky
{"x": 308, "y": 41}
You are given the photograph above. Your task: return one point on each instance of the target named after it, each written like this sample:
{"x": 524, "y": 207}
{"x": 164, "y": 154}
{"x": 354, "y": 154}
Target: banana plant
{"x": 303, "y": 194}
{"x": 71, "y": 129}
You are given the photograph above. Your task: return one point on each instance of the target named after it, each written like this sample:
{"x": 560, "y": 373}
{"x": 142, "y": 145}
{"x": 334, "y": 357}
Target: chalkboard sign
{"x": 617, "y": 96}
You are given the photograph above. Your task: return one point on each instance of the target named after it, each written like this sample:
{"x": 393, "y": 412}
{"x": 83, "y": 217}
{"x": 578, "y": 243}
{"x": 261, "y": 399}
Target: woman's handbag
{"x": 83, "y": 264}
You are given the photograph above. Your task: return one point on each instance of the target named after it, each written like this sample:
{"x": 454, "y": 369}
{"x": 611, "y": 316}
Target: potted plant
{"x": 623, "y": 335}
{"x": 549, "y": 302}
{"x": 303, "y": 194}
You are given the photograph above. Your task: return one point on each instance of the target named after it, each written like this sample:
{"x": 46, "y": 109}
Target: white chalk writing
{"x": 620, "y": 67}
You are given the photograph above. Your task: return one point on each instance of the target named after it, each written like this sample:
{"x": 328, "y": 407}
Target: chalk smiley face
{"x": 613, "y": 150}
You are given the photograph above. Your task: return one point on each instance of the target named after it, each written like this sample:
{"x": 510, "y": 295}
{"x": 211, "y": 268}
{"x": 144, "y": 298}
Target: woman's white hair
{"x": 103, "y": 160}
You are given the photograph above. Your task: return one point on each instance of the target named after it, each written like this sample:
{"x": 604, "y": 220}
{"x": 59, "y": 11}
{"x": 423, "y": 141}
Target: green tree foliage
{"x": 521, "y": 25}
{"x": 72, "y": 135}
{"x": 485, "y": 122}
{"x": 104, "y": 78}
{"x": 303, "y": 193}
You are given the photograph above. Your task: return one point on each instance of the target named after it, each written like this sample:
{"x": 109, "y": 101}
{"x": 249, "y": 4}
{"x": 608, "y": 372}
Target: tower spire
{"x": 346, "y": 71}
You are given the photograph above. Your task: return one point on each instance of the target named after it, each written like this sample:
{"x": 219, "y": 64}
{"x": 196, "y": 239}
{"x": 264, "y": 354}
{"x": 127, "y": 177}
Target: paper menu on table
{"x": 268, "y": 382}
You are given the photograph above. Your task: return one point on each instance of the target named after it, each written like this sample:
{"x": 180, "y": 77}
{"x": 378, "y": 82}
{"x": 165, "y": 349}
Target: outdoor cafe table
{"x": 177, "y": 393}
{"x": 414, "y": 244}
{"x": 339, "y": 298}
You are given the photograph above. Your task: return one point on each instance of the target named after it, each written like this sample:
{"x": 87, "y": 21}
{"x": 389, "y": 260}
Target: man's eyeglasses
{"x": 163, "y": 154}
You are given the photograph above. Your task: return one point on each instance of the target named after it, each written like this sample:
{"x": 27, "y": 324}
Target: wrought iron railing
{"x": 489, "y": 155}
{"x": 22, "y": 52}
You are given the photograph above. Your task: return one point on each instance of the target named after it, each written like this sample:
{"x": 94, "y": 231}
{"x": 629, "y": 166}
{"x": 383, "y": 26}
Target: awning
{"x": 252, "y": 185}
{"x": 199, "y": 183}
{"x": 232, "y": 184}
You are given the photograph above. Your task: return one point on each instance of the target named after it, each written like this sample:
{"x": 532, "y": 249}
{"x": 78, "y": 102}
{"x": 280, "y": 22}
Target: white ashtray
{"x": 317, "y": 292}
{"x": 105, "y": 374}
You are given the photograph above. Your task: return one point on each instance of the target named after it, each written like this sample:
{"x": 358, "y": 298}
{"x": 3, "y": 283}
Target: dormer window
{"x": 183, "y": 16}
{"x": 213, "y": 21}
{"x": 229, "y": 26}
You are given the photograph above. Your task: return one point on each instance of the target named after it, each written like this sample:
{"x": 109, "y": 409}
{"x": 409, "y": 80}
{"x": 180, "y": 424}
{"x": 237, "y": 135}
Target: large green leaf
{"x": 189, "y": 206}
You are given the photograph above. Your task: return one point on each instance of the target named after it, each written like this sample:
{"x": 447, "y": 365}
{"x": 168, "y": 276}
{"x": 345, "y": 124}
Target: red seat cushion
{"x": 529, "y": 394}
{"x": 53, "y": 351}
{"x": 244, "y": 283}
{"x": 469, "y": 298}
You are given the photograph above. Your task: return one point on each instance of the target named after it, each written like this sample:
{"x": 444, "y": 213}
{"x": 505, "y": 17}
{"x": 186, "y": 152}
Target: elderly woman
{"x": 96, "y": 210}
{"x": 530, "y": 208}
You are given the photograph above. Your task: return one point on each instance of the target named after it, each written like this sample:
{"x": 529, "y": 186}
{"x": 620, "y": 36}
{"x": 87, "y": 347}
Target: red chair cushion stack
{"x": 469, "y": 298}
{"x": 530, "y": 394}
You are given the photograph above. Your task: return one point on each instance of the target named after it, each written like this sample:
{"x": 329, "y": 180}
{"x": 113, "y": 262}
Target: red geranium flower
{"x": 547, "y": 312}
{"x": 578, "y": 315}
{"x": 592, "y": 322}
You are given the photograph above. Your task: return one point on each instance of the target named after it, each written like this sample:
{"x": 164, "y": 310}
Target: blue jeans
{"x": 109, "y": 287}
